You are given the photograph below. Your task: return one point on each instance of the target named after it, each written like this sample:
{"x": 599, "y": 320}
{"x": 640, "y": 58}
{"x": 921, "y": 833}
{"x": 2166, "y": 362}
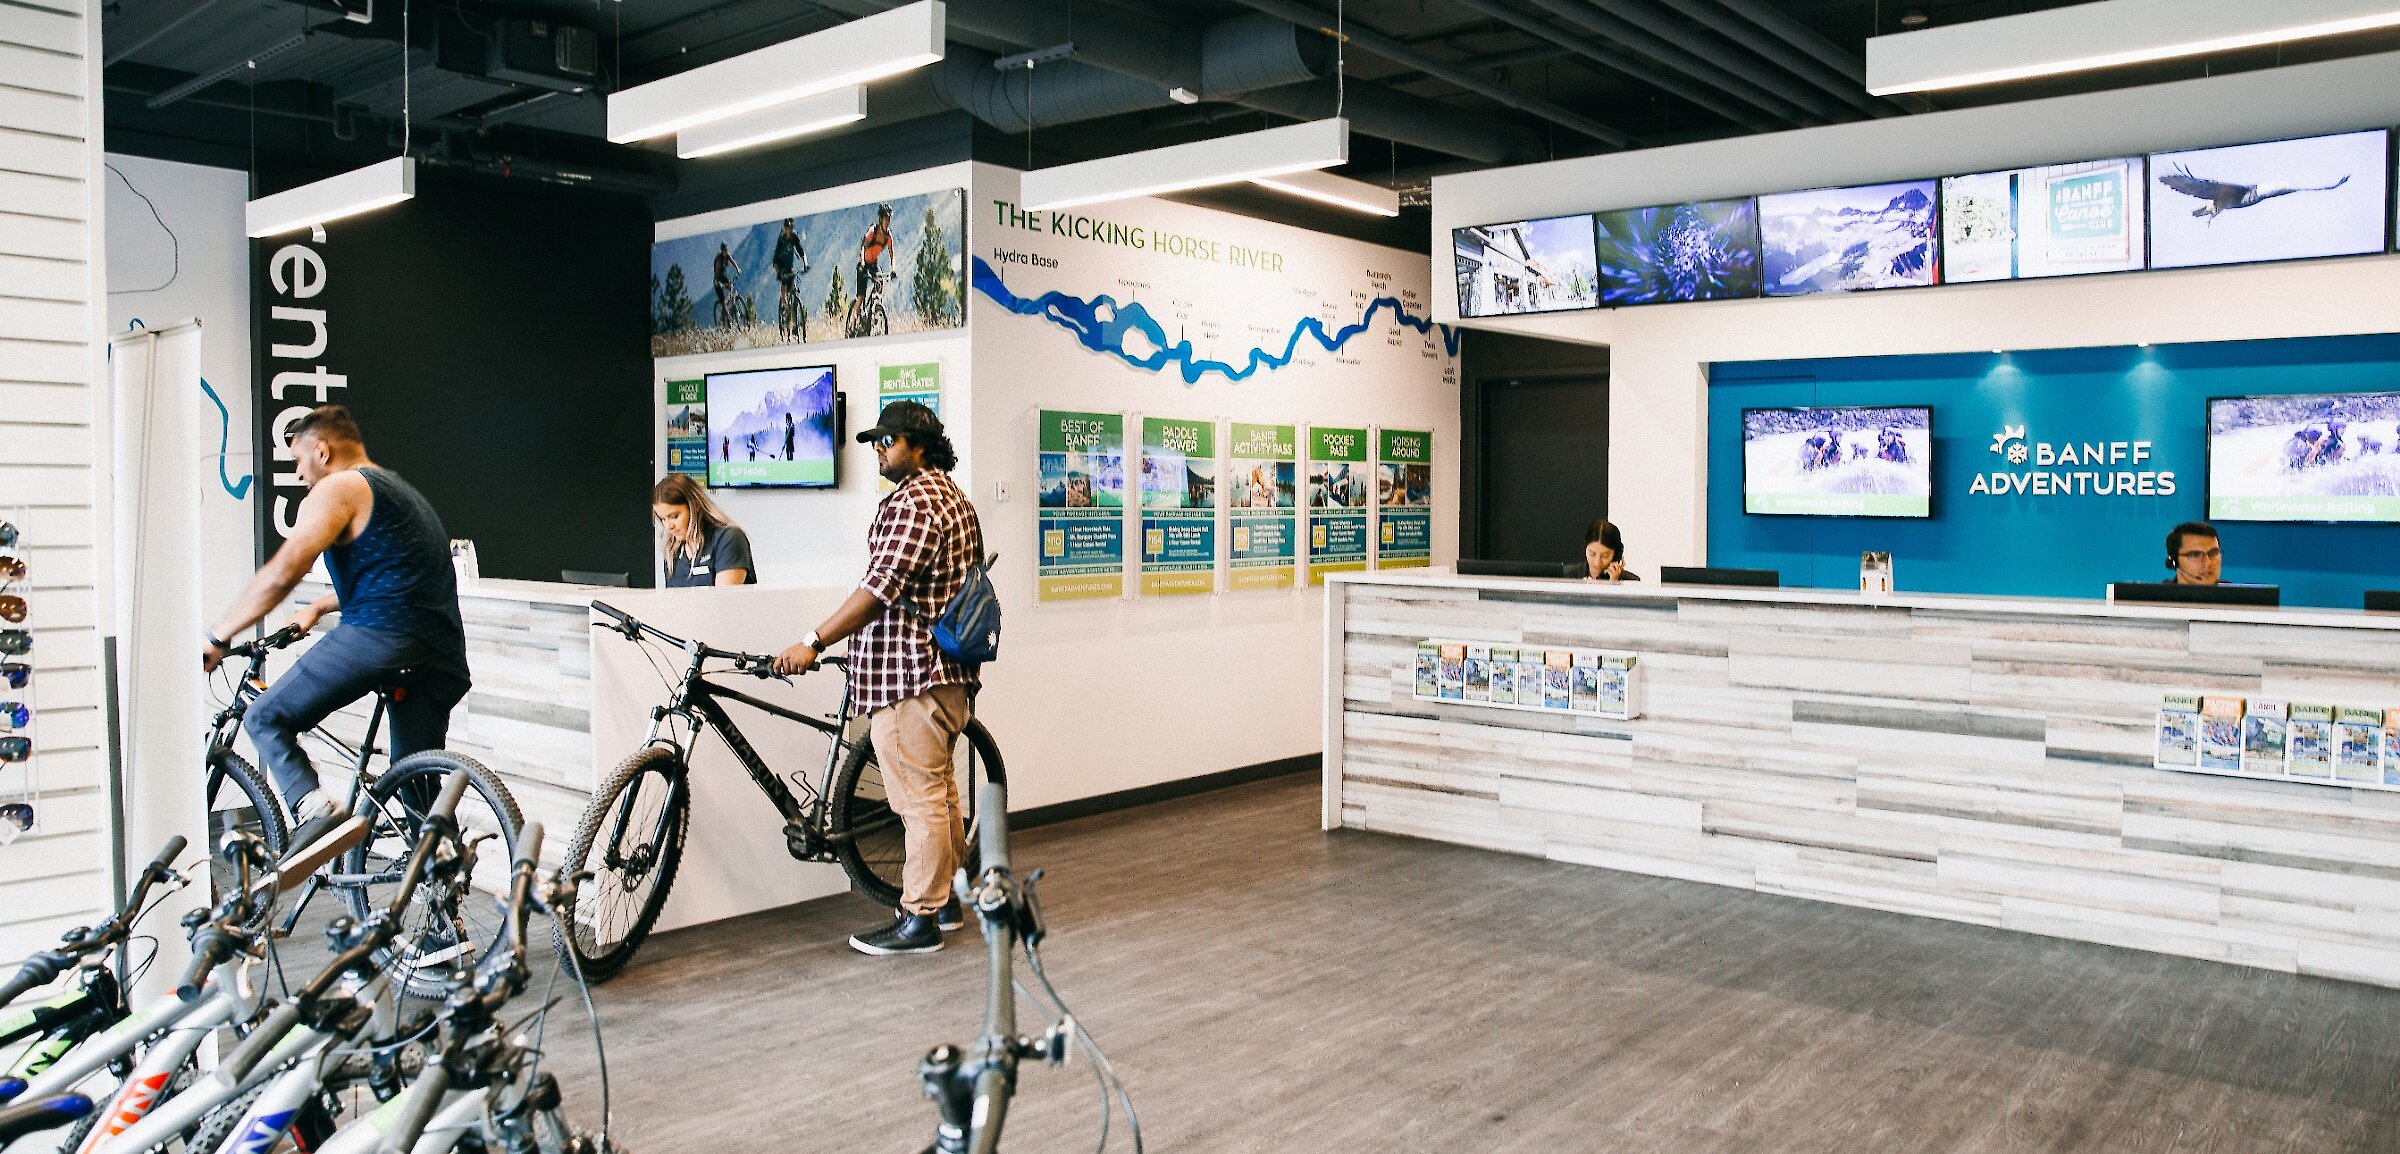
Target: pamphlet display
{"x": 1179, "y": 506}
{"x": 2305, "y": 457}
{"x": 773, "y": 428}
{"x": 1596, "y": 682}
{"x": 2273, "y": 738}
{"x": 1082, "y": 506}
{"x": 1337, "y": 501}
{"x": 687, "y": 428}
{"x": 1264, "y": 495}
{"x": 1403, "y": 498}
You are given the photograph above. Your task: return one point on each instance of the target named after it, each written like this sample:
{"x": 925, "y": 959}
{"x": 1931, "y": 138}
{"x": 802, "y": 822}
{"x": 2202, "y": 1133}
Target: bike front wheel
{"x": 867, "y": 835}
{"x": 445, "y": 929}
{"x": 630, "y": 840}
{"x": 239, "y": 801}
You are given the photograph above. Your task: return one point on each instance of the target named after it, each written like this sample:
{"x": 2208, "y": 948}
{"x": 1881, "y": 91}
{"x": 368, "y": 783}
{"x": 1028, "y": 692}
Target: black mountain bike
{"x": 632, "y": 836}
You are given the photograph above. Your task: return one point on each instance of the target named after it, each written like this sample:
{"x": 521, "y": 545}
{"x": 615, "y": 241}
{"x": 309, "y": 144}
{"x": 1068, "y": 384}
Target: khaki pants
{"x": 912, "y": 745}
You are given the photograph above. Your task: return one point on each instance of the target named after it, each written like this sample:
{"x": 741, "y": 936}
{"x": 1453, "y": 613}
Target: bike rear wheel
{"x": 867, "y": 835}
{"x": 240, "y": 801}
{"x": 445, "y": 929}
{"x": 631, "y": 840}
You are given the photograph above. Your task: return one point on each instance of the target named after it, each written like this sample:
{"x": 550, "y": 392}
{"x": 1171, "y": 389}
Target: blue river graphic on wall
{"x": 1103, "y": 325}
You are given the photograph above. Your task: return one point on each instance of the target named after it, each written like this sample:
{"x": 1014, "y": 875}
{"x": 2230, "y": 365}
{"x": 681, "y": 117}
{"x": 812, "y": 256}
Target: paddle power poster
{"x": 1403, "y": 498}
{"x": 1337, "y": 501}
{"x": 1179, "y": 506}
{"x": 1262, "y": 491}
{"x": 1083, "y": 506}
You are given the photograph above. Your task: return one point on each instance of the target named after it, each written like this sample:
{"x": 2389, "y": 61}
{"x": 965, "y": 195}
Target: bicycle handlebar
{"x": 264, "y": 645}
{"x": 84, "y": 941}
{"x": 754, "y": 664}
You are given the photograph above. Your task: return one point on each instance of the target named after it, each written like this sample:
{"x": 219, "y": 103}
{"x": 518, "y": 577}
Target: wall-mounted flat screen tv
{"x": 2304, "y": 457}
{"x": 1874, "y": 236}
{"x": 1701, "y": 251}
{"x": 1838, "y": 462}
{"x": 773, "y": 428}
{"x": 2053, "y": 220}
{"x": 2281, "y": 200}
{"x": 1526, "y": 266}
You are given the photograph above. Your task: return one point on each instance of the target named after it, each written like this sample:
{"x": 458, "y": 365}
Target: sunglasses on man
{"x": 14, "y": 715}
{"x": 15, "y": 674}
{"x": 15, "y": 748}
{"x": 12, "y": 608}
{"x": 15, "y": 642}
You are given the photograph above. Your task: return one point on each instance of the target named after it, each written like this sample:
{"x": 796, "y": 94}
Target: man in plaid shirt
{"x": 924, "y": 537}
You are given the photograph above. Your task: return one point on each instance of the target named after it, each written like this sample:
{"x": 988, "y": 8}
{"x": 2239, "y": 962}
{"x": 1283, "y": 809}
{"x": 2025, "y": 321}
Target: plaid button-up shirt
{"x": 924, "y": 537}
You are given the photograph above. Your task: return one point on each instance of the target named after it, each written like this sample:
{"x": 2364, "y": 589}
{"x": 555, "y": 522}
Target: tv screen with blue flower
{"x": 1704, "y": 250}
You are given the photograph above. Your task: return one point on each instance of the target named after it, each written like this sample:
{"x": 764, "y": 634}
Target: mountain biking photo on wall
{"x": 893, "y": 266}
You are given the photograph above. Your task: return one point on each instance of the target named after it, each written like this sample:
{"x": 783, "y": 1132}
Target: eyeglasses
{"x": 12, "y": 568}
{"x": 16, "y": 674}
{"x": 12, "y": 608}
{"x": 14, "y": 715}
{"x": 15, "y": 748}
{"x": 2201, "y": 554}
{"x": 15, "y": 818}
{"x": 15, "y": 642}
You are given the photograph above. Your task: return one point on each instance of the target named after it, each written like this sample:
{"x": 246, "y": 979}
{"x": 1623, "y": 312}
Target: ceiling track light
{"x": 826, "y": 110}
{"x": 2108, "y": 34}
{"x": 351, "y": 193}
{"x": 1268, "y": 153}
{"x": 860, "y": 51}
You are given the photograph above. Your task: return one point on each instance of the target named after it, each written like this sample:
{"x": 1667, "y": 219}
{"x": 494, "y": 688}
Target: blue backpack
{"x": 968, "y": 629}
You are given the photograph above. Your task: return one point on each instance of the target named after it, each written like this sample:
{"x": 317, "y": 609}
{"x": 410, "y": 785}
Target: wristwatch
{"x": 814, "y": 645}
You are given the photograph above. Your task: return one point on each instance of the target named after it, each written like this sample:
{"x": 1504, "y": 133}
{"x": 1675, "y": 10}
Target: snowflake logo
{"x": 2010, "y": 442}
{"x": 2016, "y": 453}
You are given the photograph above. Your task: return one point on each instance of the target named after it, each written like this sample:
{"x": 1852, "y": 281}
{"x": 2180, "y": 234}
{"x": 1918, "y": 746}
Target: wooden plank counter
{"x": 1986, "y": 760}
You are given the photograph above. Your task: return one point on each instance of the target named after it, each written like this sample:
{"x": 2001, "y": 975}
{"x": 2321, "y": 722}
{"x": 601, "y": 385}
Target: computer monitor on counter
{"x": 2168, "y": 592}
{"x": 1482, "y": 567}
{"x": 2383, "y": 600}
{"x": 1697, "y": 575}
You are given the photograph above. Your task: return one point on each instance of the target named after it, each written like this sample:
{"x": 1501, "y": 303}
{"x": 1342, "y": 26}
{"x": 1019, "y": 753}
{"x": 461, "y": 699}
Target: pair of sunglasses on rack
{"x": 15, "y": 748}
{"x": 8, "y": 535}
{"x": 15, "y": 674}
{"x": 14, "y": 715}
{"x": 12, "y": 608}
{"x": 15, "y": 818}
{"x": 15, "y": 642}
{"x": 12, "y": 568}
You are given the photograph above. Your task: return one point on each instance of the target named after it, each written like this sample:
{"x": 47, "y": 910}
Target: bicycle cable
{"x": 1102, "y": 1068}
{"x": 592, "y": 1014}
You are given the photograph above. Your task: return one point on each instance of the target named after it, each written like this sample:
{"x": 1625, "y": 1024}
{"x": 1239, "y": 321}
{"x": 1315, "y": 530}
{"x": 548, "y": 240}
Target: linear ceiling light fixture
{"x": 2110, "y": 34}
{"x": 360, "y": 190}
{"x": 1338, "y": 191}
{"x": 768, "y": 125}
{"x": 865, "y": 49}
{"x": 1224, "y": 160}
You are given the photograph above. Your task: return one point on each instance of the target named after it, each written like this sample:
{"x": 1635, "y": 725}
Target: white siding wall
{"x": 51, "y": 304}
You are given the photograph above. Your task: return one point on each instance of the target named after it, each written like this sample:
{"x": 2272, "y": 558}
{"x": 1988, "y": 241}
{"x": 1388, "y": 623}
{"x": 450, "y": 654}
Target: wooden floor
{"x": 1267, "y": 987}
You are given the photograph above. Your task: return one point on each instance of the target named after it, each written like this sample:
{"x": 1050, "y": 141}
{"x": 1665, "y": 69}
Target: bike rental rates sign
{"x": 1337, "y": 501}
{"x": 1083, "y": 506}
{"x": 1179, "y": 506}
{"x": 1262, "y": 484}
{"x": 1403, "y": 498}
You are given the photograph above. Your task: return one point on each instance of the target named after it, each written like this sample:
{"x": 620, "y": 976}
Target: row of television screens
{"x": 2303, "y": 457}
{"x": 2315, "y": 196}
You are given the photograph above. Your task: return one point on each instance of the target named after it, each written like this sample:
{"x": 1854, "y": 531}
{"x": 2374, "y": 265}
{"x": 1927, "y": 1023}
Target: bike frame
{"x": 696, "y": 703}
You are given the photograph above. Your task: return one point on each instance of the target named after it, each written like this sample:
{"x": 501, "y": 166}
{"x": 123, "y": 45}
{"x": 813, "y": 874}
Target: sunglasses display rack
{"x": 20, "y": 783}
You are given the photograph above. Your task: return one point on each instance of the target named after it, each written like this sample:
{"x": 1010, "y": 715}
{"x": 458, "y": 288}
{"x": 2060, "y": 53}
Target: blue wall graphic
{"x": 2029, "y": 543}
{"x": 1101, "y": 324}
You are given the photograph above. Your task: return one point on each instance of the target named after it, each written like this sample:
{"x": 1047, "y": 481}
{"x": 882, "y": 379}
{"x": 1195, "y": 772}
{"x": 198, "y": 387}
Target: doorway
{"x": 1537, "y": 447}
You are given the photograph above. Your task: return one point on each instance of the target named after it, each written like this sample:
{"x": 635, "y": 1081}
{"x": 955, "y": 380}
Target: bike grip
{"x": 207, "y": 954}
{"x": 529, "y": 842}
{"x": 38, "y": 970}
{"x": 166, "y": 857}
{"x": 991, "y": 808}
{"x": 991, "y": 1109}
{"x": 611, "y": 612}
{"x": 254, "y": 1049}
{"x": 417, "y": 1109}
{"x": 452, "y": 790}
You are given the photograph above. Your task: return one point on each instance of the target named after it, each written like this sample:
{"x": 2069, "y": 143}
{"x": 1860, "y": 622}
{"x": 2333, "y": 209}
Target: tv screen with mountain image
{"x": 2051, "y": 220}
{"x": 2280, "y": 200}
{"x": 1527, "y": 266}
{"x": 773, "y": 428}
{"x": 2305, "y": 457}
{"x": 1851, "y": 461}
{"x": 1875, "y": 236}
{"x": 1702, "y": 251}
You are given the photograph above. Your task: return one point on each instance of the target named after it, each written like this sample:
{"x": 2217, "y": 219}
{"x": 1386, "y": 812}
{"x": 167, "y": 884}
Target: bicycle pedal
{"x": 802, "y": 842}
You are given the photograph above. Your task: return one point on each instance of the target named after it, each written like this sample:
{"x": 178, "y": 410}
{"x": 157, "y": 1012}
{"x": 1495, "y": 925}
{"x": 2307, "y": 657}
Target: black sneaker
{"x": 952, "y": 916}
{"x": 908, "y": 934}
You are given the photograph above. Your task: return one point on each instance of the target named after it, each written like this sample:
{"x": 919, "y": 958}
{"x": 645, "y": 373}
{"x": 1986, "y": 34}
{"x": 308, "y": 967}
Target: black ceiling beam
{"x": 1625, "y": 65}
{"x": 1779, "y": 52}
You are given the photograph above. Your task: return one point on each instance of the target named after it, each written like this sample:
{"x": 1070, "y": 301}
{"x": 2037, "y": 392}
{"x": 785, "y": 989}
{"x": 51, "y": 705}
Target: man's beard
{"x": 895, "y": 473}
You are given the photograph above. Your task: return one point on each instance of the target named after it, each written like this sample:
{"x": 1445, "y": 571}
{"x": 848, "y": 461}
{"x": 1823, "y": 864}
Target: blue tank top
{"x": 396, "y": 575}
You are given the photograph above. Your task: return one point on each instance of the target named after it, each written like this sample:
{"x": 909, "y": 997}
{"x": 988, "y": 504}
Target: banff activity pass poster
{"x": 1337, "y": 501}
{"x": 1179, "y": 506}
{"x": 1083, "y": 506}
{"x": 1262, "y": 488}
{"x": 1403, "y": 498}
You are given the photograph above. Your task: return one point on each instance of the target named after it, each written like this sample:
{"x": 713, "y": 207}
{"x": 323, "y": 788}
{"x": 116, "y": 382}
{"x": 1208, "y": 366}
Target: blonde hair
{"x": 706, "y": 516}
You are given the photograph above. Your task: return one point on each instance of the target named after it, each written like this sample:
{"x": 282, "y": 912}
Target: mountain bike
{"x": 632, "y": 835}
{"x": 791, "y": 313}
{"x": 449, "y": 929}
{"x": 867, "y": 317}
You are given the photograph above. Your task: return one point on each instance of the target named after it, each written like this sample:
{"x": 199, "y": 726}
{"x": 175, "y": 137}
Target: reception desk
{"x": 1985, "y": 760}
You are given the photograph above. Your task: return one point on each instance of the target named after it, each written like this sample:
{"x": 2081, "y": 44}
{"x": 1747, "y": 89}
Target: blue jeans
{"x": 343, "y": 666}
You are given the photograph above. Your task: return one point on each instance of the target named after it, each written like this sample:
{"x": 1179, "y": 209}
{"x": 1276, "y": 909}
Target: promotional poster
{"x": 1083, "y": 506}
{"x": 1403, "y": 498}
{"x": 687, "y": 428}
{"x": 1179, "y": 506}
{"x": 1337, "y": 501}
{"x": 1263, "y": 490}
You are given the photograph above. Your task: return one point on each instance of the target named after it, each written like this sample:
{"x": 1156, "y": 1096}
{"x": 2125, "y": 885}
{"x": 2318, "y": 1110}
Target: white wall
{"x": 1659, "y": 355}
{"x": 810, "y": 536}
{"x": 190, "y": 259}
{"x": 1095, "y": 697}
{"x": 51, "y": 317}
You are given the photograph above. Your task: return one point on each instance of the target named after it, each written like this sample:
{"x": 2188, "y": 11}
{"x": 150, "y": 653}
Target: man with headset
{"x": 2195, "y": 554}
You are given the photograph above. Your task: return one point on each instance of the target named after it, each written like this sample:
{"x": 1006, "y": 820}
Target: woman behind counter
{"x": 1604, "y": 554}
{"x": 704, "y": 546}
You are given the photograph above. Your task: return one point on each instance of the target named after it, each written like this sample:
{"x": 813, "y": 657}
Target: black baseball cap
{"x": 901, "y": 418}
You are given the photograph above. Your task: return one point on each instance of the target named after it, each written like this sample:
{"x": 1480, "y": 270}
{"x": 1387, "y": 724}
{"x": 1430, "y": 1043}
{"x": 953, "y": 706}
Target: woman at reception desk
{"x": 2208, "y": 780}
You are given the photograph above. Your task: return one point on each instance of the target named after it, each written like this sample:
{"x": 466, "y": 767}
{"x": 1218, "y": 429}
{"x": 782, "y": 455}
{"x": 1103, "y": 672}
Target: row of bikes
{"x": 866, "y": 316}
{"x": 397, "y": 1042}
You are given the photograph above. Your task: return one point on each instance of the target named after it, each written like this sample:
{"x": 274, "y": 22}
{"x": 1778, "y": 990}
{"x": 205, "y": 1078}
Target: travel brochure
{"x": 1597, "y": 682}
{"x": 2274, "y": 738}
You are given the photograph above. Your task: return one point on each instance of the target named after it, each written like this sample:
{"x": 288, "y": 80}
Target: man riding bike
{"x": 791, "y": 259}
{"x": 878, "y": 241}
{"x": 727, "y": 268}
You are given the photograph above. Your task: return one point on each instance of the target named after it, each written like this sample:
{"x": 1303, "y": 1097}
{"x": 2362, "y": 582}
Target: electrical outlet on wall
{"x": 999, "y": 491}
